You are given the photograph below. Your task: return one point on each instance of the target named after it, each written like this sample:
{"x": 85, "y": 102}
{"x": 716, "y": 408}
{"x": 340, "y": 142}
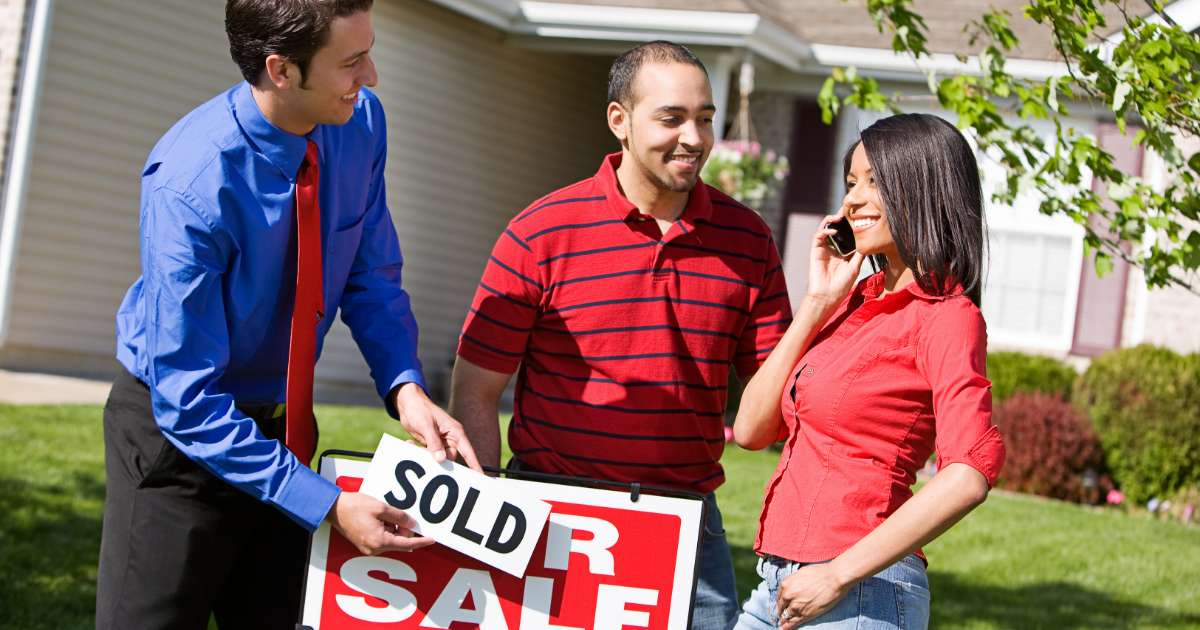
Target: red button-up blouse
{"x": 885, "y": 383}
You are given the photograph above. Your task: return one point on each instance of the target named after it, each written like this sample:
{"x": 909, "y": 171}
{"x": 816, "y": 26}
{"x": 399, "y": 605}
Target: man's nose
{"x": 369, "y": 77}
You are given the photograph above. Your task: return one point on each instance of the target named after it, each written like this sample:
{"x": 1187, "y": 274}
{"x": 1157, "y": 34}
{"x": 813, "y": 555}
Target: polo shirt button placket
{"x": 659, "y": 273}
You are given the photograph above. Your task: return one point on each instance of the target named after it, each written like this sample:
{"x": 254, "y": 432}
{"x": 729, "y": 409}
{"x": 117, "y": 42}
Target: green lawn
{"x": 1018, "y": 562}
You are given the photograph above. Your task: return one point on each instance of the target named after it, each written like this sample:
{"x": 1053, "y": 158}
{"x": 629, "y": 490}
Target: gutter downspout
{"x": 29, "y": 90}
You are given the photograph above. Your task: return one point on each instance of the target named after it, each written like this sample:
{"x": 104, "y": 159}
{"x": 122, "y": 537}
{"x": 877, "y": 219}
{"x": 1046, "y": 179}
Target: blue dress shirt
{"x": 208, "y": 322}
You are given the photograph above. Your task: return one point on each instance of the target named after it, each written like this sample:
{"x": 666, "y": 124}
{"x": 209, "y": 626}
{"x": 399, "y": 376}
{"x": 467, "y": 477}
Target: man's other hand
{"x": 433, "y": 428}
{"x": 374, "y": 526}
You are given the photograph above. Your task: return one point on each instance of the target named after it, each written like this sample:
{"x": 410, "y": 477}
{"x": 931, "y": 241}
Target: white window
{"x": 1031, "y": 286}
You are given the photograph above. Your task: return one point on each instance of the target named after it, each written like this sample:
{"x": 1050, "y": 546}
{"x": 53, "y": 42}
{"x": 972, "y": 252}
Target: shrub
{"x": 1145, "y": 404}
{"x": 1012, "y": 372}
{"x": 1052, "y": 449}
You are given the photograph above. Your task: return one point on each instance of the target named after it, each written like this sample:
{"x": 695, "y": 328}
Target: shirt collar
{"x": 282, "y": 149}
{"x": 699, "y": 205}
{"x": 873, "y": 286}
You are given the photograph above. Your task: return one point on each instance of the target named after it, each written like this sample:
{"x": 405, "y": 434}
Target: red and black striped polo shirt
{"x": 625, "y": 336}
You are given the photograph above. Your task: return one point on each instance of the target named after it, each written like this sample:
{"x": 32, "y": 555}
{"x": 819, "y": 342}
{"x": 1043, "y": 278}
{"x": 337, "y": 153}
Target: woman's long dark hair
{"x": 929, "y": 181}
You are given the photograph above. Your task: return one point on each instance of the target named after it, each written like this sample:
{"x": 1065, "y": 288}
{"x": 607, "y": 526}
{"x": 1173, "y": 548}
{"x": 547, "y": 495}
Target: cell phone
{"x": 843, "y": 241}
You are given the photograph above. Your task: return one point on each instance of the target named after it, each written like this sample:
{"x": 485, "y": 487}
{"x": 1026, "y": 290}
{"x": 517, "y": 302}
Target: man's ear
{"x": 283, "y": 74}
{"x": 618, "y": 121}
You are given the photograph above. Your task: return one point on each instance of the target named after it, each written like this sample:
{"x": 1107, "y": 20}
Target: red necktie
{"x": 307, "y": 312}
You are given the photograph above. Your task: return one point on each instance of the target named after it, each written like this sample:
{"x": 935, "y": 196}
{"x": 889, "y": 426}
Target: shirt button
{"x": 808, "y": 372}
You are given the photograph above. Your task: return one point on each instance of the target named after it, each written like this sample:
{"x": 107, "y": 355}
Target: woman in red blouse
{"x": 874, "y": 378}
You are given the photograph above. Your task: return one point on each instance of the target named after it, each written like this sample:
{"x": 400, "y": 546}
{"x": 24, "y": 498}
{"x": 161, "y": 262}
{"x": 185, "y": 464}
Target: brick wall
{"x": 1164, "y": 317}
{"x": 771, "y": 115}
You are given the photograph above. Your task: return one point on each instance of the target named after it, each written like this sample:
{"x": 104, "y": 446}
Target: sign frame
{"x": 333, "y": 459}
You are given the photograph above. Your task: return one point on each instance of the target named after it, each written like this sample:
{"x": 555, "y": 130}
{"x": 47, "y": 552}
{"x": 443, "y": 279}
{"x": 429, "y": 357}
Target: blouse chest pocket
{"x": 836, "y": 392}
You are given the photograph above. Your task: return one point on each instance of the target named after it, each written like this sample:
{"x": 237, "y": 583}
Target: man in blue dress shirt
{"x": 206, "y": 511}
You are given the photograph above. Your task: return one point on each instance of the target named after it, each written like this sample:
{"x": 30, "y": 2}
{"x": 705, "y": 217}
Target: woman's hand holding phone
{"x": 831, "y": 276}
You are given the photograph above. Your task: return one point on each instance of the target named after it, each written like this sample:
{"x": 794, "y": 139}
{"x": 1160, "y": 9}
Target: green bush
{"x": 1145, "y": 405}
{"x": 1012, "y": 372}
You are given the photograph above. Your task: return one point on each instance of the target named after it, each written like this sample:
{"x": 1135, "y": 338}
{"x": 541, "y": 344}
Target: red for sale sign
{"x": 603, "y": 562}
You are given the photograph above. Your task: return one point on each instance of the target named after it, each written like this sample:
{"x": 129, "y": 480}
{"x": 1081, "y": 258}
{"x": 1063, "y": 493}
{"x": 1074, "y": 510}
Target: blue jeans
{"x": 716, "y": 591}
{"x": 896, "y": 598}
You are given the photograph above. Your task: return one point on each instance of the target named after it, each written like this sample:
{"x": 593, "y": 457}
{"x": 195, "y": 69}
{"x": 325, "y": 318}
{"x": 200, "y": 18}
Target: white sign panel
{"x": 462, "y": 509}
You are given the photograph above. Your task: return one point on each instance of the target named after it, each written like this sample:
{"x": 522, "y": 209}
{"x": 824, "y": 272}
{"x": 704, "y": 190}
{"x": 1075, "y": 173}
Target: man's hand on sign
{"x": 433, "y": 428}
{"x": 374, "y": 526}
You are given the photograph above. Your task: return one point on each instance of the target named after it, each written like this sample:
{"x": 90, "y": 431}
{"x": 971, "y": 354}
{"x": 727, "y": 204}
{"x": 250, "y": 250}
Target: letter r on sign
{"x": 560, "y": 542}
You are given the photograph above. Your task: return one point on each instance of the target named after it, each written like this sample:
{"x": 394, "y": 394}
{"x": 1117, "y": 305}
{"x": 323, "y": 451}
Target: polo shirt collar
{"x": 282, "y": 149}
{"x": 699, "y": 205}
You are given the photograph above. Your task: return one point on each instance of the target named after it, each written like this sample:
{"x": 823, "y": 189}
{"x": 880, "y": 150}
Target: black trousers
{"x": 178, "y": 543}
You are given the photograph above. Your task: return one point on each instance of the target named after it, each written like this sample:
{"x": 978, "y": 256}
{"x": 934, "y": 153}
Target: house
{"x": 491, "y": 103}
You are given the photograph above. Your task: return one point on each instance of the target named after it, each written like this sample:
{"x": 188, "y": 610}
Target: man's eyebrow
{"x": 361, "y": 52}
{"x": 672, "y": 109}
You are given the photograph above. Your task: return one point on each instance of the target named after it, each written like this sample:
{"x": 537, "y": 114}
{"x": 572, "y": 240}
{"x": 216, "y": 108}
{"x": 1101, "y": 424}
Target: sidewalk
{"x": 31, "y": 388}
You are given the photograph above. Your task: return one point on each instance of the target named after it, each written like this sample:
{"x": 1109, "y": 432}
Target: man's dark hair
{"x": 929, "y": 181}
{"x": 295, "y": 29}
{"x": 624, "y": 70}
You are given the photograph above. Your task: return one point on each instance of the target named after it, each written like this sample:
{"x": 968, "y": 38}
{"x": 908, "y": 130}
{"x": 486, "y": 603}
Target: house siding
{"x": 477, "y": 129}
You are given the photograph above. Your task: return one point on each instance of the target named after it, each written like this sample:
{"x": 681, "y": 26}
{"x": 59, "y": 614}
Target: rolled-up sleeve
{"x": 375, "y": 305}
{"x": 952, "y": 355}
{"x": 188, "y": 348}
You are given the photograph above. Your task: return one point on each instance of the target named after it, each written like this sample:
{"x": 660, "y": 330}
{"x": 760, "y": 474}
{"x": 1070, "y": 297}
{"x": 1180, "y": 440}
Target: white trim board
{"x": 25, "y": 125}
{"x": 497, "y": 13}
{"x": 891, "y": 61}
{"x": 561, "y": 20}
{"x": 717, "y": 28}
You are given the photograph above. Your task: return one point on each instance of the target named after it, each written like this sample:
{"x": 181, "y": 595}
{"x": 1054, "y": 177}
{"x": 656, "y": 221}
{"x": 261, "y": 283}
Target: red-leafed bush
{"x": 1052, "y": 449}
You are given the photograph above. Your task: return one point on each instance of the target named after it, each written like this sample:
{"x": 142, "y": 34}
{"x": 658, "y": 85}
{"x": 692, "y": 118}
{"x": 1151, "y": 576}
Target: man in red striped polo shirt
{"x": 624, "y": 300}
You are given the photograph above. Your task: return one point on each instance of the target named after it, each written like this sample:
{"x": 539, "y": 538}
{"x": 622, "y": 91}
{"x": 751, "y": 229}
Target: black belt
{"x": 268, "y": 416}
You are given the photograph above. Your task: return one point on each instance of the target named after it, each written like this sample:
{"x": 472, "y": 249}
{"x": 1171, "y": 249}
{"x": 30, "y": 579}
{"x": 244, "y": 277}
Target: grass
{"x": 1017, "y": 562}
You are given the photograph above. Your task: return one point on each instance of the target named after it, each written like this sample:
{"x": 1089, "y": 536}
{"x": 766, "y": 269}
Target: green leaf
{"x": 1104, "y": 264}
{"x": 827, "y": 100}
